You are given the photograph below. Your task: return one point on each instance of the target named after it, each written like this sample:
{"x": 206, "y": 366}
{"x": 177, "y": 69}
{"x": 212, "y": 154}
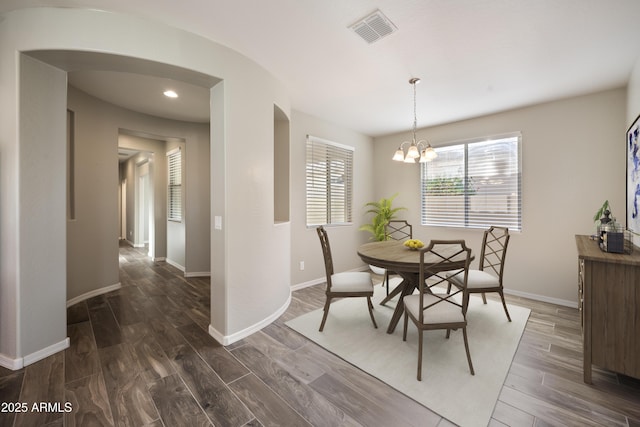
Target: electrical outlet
{"x": 301, "y": 265}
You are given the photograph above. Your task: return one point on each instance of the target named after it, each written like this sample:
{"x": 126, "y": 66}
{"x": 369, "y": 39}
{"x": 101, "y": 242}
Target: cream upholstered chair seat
{"x": 488, "y": 277}
{"x": 438, "y": 313}
{"x": 351, "y": 281}
{"x": 477, "y": 279}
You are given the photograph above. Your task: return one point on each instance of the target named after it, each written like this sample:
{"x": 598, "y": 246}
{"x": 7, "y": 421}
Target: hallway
{"x": 117, "y": 353}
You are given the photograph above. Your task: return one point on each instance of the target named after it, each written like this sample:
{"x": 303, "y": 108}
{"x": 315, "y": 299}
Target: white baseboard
{"x": 93, "y": 293}
{"x": 307, "y": 284}
{"x": 230, "y": 339}
{"x": 159, "y": 259}
{"x": 542, "y": 298}
{"x": 535, "y": 297}
{"x": 9, "y": 363}
{"x": 198, "y": 274}
{"x": 46, "y": 352}
{"x": 175, "y": 264}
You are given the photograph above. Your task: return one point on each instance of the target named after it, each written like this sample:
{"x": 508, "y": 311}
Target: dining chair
{"x": 396, "y": 229}
{"x": 488, "y": 278}
{"x": 431, "y": 310}
{"x": 343, "y": 285}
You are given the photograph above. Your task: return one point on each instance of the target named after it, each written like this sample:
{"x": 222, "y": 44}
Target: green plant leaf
{"x": 600, "y": 212}
{"x": 383, "y": 212}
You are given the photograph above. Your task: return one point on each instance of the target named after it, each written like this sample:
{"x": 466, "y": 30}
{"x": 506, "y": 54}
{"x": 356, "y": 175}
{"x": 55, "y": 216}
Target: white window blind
{"x": 329, "y": 175}
{"x": 475, "y": 184}
{"x": 174, "y": 196}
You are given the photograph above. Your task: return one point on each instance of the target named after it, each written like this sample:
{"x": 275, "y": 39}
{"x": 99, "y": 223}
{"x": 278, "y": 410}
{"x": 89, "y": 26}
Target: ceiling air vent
{"x": 374, "y": 27}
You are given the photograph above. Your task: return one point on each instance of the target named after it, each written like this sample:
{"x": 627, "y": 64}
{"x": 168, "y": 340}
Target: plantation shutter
{"x": 174, "y": 198}
{"x": 475, "y": 185}
{"x": 329, "y": 179}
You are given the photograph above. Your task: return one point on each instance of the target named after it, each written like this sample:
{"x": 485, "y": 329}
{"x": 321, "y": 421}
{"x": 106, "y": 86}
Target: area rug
{"x": 447, "y": 387}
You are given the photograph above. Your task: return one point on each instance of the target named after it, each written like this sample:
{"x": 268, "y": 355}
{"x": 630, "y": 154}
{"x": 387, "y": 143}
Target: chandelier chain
{"x": 415, "y": 116}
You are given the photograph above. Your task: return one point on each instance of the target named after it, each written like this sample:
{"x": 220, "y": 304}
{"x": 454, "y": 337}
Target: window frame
{"x": 314, "y": 153}
{"x": 174, "y": 189}
{"x": 470, "y": 220}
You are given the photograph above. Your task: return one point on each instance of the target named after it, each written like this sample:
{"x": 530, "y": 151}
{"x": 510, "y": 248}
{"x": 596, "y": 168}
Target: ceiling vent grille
{"x": 374, "y": 27}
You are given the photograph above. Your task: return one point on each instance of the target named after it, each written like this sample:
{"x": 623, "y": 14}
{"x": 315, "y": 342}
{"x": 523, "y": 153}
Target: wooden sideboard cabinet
{"x": 609, "y": 303}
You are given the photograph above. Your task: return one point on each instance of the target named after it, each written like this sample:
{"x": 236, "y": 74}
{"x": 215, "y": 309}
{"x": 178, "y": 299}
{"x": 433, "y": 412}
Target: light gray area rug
{"x": 447, "y": 387}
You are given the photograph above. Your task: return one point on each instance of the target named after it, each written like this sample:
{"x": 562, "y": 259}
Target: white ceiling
{"x": 474, "y": 57}
{"x": 144, "y": 93}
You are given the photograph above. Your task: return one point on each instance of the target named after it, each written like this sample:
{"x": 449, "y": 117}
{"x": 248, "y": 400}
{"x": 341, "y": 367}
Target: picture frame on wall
{"x": 633, "y": 177}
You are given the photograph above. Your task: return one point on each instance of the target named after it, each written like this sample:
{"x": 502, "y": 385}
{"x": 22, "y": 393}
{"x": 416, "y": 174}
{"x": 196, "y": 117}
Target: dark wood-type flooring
{"x": 141, "y": 356}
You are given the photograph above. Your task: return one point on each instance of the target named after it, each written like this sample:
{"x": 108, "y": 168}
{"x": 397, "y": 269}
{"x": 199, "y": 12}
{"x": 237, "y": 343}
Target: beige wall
{"x": 345, "y": 240}
{"x": 572, "y": 160}
{"x": 633, "y": 94}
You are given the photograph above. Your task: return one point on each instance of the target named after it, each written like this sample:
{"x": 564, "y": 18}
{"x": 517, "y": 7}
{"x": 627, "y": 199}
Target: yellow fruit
{"x": 413, "y": 244}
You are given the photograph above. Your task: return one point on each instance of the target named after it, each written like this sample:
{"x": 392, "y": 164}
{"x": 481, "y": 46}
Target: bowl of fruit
{"x": 413, "y": 244}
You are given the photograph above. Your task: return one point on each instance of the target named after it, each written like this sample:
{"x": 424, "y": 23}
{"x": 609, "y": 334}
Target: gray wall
{"x": 176, "y": 241}
{"x": 572, "y": 160}
{"x": 197, "y": 214}
{"x": 42, "y": 205}
{"x": 92, "y": 250}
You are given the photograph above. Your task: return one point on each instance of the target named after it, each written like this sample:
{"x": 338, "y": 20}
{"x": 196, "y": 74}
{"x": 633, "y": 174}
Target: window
{"x": 329, "y": 182}
{"x": 174, "y": 196}
{"x": 475, "y": 184}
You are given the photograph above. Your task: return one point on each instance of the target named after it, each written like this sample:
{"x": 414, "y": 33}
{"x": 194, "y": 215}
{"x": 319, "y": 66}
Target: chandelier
{"x": 417, "y": 149}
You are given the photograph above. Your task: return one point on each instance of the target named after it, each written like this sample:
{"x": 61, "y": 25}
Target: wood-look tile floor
{"x": 141, "y": 356}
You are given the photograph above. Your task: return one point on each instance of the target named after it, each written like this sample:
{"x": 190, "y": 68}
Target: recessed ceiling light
{"x": 170, "y": 94}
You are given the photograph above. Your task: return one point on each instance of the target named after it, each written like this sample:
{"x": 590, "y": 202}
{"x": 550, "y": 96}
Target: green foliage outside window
{"x": 449, "y": 186}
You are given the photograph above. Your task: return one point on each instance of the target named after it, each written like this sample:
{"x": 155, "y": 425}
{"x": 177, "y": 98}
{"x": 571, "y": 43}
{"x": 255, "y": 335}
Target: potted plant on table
{"x": 604, "y": 221}
{"x": 383, "y": 212}
{"x": 600, "y": 213}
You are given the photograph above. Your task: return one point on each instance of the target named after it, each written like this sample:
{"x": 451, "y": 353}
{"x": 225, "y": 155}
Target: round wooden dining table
{"x": 393, "y": 256}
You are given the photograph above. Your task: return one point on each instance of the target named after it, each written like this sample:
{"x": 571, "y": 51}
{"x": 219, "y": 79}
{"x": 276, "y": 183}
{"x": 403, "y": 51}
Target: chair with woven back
{"x": 488, "y": 278}
{"x": 343, "y": 285}
{"x": 431, "y": 310}
{"x": 396, "y": 229}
